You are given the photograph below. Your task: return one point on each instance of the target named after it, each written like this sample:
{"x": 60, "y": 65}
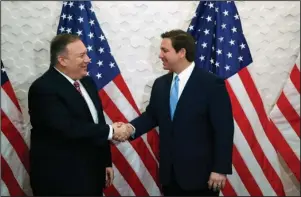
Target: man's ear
{"x": 182, "y": 53}
{"x": 61, "y": 59}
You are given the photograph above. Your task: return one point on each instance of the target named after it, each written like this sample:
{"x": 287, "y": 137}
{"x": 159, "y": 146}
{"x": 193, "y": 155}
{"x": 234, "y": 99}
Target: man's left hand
{"x": 217, "y": 181}
{"x": 109, "y": 176}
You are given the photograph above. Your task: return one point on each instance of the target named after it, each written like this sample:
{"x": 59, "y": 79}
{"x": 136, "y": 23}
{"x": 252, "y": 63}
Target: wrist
{"x": 111, "y": 132}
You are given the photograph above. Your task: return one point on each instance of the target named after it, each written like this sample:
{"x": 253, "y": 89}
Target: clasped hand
{"x": 122, "y": 131}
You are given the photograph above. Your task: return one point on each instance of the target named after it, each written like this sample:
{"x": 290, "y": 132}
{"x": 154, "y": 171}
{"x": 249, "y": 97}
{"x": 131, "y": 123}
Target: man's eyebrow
{"x": 83, "y": 52}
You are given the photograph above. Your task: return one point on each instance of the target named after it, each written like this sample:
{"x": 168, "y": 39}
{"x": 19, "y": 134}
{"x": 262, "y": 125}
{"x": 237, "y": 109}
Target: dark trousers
{"x": 173, "y": 189}
{"x": 60, "y": 193}
{"x": 39, "y": 192}
{"x": 48, "y": 189}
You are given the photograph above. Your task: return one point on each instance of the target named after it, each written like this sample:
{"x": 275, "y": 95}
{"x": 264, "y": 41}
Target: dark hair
{"x": 181, "y": 39}
{"x": 58, "y": 45}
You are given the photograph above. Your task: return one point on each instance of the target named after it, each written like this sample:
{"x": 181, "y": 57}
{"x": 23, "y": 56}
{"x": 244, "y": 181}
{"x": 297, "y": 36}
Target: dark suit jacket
{"x": 199, "y": 140}
{"x": 69, "y": 152}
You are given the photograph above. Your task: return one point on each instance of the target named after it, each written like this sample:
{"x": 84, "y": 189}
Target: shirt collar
{"x": 185, "y": 74}
{"x": 67, "y": 77}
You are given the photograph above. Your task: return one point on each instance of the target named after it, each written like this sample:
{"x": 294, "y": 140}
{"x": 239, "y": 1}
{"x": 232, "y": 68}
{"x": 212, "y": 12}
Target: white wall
{"x": 133, "y": 30}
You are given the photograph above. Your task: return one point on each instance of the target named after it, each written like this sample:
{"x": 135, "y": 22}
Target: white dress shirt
{"x": 183, "y": 78}
{"x": 89, "y": 102}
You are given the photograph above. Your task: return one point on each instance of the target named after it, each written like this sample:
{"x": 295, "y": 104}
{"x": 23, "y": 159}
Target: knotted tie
{"x": 173, "y": 100}
{"x": 76, "y": 85}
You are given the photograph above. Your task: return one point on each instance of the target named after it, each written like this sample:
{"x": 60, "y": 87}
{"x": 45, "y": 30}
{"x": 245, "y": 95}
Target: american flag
{"x": 285, "y": 123}
{"x": 135, "y": 163}
{"x": 14, "y": 143}
{"x": 222, "y": 49}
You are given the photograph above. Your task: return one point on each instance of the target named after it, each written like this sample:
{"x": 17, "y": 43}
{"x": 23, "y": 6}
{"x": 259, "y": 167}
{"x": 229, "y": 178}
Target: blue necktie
{"x": 173, "y": 100}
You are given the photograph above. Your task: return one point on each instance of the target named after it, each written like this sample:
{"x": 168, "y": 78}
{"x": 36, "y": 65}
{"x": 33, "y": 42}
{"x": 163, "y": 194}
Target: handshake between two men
{"x": 122, "y": 131}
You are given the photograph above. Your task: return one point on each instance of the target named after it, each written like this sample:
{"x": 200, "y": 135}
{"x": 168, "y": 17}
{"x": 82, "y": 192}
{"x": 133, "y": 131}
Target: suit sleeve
{"x": 108, "y": 154}
{"x": 47, "y": 110}
{"x": 108, "y": 145}
{"x": 221, "y": 118}
{"x": 148, "y": 119}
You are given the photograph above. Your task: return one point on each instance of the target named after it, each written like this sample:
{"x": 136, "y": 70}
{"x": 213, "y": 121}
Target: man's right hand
{"x": 122, "y": 131}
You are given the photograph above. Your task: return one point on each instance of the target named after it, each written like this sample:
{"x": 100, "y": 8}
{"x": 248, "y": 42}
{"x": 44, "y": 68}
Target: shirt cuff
{"x": 134, "y": 130}
{"x": 110, "y": 133}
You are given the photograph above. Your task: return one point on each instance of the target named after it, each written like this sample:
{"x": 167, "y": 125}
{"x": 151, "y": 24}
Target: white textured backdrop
{"x": 133, "y": 30}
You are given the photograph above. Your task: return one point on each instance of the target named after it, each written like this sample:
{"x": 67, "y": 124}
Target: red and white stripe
{"x": 285, "y": 122}
{"x": 14, "y": 146}
{"x": 135, "y": 162}
{"x": 256, "y": 169}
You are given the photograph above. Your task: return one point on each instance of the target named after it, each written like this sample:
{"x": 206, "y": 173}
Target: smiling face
{"x": 170, "y": 58}
{"x": 75, "y": 60}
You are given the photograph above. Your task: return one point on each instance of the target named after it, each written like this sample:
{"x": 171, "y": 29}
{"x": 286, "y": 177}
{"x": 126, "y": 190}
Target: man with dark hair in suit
{"x": 193, "y": 111}
{"x": 70, "y": 150}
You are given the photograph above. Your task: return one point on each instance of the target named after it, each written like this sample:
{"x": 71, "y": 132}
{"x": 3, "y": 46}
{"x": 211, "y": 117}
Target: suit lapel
{"x": 187, "y": 92}
{"x": 166, "y": 94}
{"x": 91, "y": 91}
{"x": 67, "y": 90}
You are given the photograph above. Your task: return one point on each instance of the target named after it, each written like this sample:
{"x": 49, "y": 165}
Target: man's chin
{"x": 84, "y": 74}
{"x": 165, "y": 67}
